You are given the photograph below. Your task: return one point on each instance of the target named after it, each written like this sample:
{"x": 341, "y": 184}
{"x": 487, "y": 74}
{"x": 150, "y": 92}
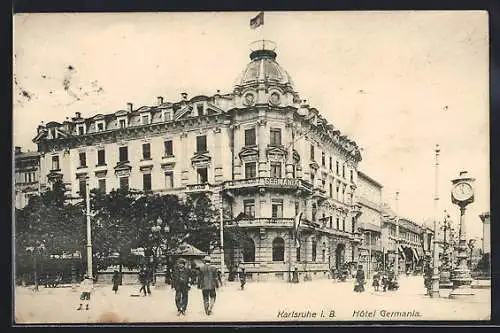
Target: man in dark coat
{"x": 360, "y": 280}
{"x": 116, "y": 281}
{"x": 208, "y": 282}
{"x": 180, "y": 282}
{"x": 143, "y": 279}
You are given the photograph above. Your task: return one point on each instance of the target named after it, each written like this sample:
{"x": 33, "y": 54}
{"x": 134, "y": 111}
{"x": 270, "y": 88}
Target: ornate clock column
{"x": 462, "y": 195}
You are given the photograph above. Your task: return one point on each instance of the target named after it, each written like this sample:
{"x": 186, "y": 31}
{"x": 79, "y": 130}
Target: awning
{"x": 400, "y": 248}
{"x": 415, "y": 253}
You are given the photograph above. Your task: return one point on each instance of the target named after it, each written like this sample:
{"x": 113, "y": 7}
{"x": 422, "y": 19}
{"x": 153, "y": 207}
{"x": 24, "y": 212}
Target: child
{"x": 376, "y": 281}
{"x": 86, "y": 286}
{"x": 243, "y": 278}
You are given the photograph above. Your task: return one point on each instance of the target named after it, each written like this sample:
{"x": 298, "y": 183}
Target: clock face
{"x": 462, "y": 191}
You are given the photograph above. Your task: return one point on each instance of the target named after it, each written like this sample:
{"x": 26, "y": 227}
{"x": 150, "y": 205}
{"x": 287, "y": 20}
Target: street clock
{"x": 462, "y": 192}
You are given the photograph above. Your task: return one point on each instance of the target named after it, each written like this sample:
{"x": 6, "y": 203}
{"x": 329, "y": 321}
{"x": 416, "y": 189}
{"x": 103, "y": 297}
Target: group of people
{"x": 382, "y": 278}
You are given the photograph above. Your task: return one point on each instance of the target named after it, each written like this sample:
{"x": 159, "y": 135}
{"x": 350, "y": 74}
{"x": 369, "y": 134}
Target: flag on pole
{"x": 296, "y": 225}
{"x": 257, "y": 21}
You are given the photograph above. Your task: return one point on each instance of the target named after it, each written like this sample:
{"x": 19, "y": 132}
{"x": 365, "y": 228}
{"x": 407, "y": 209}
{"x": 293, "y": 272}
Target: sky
{"x": 397, "y": 83}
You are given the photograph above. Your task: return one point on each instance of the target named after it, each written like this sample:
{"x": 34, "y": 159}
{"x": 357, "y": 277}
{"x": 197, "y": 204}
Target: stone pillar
{"x": 486, "y": 246}
{"x": 185, "y": 162}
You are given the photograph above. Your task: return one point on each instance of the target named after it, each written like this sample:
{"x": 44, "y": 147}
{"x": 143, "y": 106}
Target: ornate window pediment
{"x": 122, "y": 169}
{"x": 314, "y": 165}
{"x": 168, "y": 166}
{"x": 248, "y": 154}
{"x": 101, "y": 173}
{"x": 200, "y": 160}
{"x": 276, "y": 153}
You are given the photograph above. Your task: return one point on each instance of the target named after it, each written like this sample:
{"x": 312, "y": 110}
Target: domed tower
{"x": 264, "y": 81}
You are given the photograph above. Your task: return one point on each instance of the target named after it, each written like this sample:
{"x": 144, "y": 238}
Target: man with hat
{"x": 180, "y": 282}
{"x": 208, "y": 283}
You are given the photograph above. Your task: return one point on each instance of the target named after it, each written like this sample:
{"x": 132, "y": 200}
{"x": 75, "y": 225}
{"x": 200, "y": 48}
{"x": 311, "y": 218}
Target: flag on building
{"x": 296, "y": 225}
{"x": 257, "y": 21}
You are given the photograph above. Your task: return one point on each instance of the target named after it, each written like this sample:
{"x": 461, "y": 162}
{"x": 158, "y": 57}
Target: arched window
{"x": 249, "y": 251}
{"x": 278, "y": 249}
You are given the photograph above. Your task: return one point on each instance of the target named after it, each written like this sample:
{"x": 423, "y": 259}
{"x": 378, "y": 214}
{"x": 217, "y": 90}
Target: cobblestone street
{"x": 314, "y": 300}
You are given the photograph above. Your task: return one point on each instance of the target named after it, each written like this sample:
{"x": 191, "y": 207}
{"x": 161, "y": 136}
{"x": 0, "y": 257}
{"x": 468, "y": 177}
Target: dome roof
{"x": 264, "y": 67}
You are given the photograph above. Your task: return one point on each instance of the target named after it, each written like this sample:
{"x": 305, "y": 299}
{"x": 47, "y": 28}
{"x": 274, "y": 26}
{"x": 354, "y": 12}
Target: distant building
{"x": 26, "y": 176}
{"x": 259, "y": 150}
{"x": 369, "y": 195}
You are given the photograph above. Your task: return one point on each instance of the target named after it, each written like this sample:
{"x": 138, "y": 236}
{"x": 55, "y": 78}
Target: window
{"x": 201, "y": 144}
{"x": 323, "y": 159}
{"x": 202, "y": 175}
{"x": 101, "y": 157}
{"x": 167, "y": 115}
{"x": 331, "y": 190}
{"x": 169, "y": 148}
{"x": 123, "y": 152}
{"x": 323, "y": 183}
{"x": 338, "y": 223}
{"x": 331, "y": 161}
{"x": 81, "y": 129}
{"x": 275, "y": 137}
{"x": 250, "y": 170}
{"x": 312, "y": 177}
{"x": 249, "y": 250}
{"x": 122, "y": 123}
{"x": 276, "y": 169}
{"x": 169, "y": 179}
{"x": 338, "y": 191}
{"x": 276, "y": 208}
{"x": 55, "y": 163}
{"x": 145, "y": 119}
{"x": 100, "y": 126}
{"x": 343, "y": 224}
{"x": 314, "y": 249}
{"x": 337, "y": 165}
{"x": 250, "y": 137}
{"x": 146, "y": 182}
{"x": 199, "y": 109}
{"x": 297, "y": 254}
{"x": 124, "y": 183}
{"x": 146, "y": 151}
{"x": 83, "y": 159}
{"x": 102, "y": 185}
{"x": 323, "y": 255}
{"x": 297, "y": 208}
{"x": 350, "y": 198}
{"x": 343, "y": 171}
{"x": 314, "y": 211}
{"x": 312, "y": 152}
{"x": 249, "y": 207}
{"x": 83, "y": 187}
{"x": 351, "y": 176}
{"x": 343, "y": 193}
{"x": 353, "y": 225}
{"x": 331, "y": 222}
{"x": 278, "y": 249}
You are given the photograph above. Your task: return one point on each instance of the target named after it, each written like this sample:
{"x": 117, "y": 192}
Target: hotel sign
{"x": 266, "y": 181}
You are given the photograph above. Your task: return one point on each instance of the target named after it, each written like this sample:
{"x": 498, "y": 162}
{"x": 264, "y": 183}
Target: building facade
{"x": 260, "y": 151}
{"x": 369, "y": 195}
{"x": 26, "y": 176}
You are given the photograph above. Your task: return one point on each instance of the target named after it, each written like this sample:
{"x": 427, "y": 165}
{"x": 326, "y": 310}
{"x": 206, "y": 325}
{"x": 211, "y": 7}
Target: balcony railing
{"x": 262, "y": 222}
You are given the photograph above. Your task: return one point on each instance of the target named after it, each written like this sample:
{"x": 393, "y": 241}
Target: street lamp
{"x": 156, "y": 232}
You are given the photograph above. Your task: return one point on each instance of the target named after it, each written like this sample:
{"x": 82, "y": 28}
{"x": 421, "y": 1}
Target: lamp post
{"x": 156, "y": 232}
{"x": 471, "y": 245}
{"x": 435, "y": 257}
{"x": 444, "y": 278}
{"x": 396, "y": 264}
{"x": 89, "y": 229}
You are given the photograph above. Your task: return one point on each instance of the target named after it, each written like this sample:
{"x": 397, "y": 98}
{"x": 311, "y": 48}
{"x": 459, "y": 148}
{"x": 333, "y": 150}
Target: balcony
{"x": 281, "y": 183}
{"x": 279, "y": 222}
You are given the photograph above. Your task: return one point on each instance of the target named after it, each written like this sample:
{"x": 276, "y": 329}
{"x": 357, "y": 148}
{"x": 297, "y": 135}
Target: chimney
{"x": 160, "y": 100}
{"x": 218, "y": 91}
{"x": 78, "y": 115}
{"x": 130, "y": 106}
{"x": 184, "y": 95}
{"x": 17, "y": 150}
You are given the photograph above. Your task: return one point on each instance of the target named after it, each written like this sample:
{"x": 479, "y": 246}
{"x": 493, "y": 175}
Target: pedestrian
{"x": 180, "y": 282}
{"x": 376, "y": 281}
{"x": 86, "y": 287}
{"x": 116, "y": 281}
{"x": 295, "y": 275}
{"x": 143, "y": 279}
{"x": 360, "y": 280}
{"x": 208, "y": 282}
{"x": 385, "y": 281}
{"x": 243, "y": 278}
